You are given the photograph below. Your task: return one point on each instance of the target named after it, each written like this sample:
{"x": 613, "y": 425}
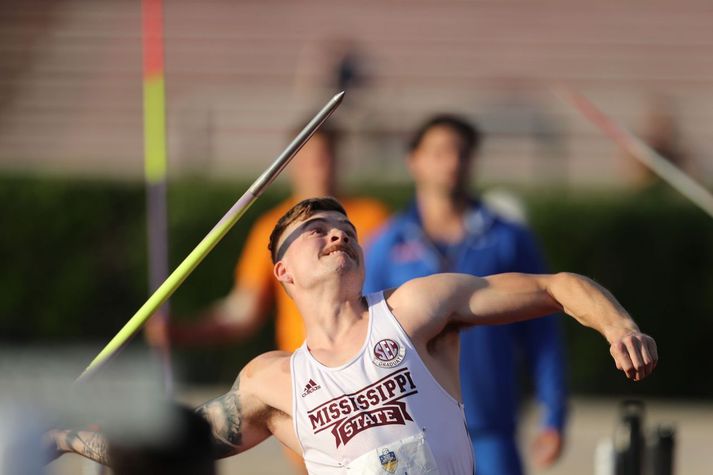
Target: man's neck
{"x": 442, "y": 214}
{"x": 332, "y": 319}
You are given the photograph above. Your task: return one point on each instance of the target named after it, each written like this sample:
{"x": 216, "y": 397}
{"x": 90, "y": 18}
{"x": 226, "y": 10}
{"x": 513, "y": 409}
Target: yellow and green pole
{"x": 166, "y": 289}
{"x": 155, "y": 165}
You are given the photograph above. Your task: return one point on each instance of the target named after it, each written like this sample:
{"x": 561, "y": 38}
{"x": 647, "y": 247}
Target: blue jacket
{"x": 489, "y": 354}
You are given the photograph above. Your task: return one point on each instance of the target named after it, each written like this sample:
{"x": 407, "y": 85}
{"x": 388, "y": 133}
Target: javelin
{"x": 641, "y": 151}
{"x": 177, "y": 277}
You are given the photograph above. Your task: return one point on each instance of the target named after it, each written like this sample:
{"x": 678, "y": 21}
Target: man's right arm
{"x": 89, "y": 444}
{"x": 238, "y": 420}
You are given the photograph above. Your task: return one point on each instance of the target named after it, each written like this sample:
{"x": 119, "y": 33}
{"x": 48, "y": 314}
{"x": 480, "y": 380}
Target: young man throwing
{"x": 375, "y": 385}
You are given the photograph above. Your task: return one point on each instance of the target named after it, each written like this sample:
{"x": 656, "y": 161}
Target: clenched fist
{"x": 634, "y": 353}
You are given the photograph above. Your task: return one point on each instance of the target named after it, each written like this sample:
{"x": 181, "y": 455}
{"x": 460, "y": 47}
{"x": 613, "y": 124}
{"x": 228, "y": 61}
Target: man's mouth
{"x": 339, "y": 248}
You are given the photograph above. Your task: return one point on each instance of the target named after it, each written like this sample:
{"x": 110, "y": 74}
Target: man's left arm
{"x": 542, "y": 343}
{"x": 427, "y": 305}
{"x": 509, "y": 298}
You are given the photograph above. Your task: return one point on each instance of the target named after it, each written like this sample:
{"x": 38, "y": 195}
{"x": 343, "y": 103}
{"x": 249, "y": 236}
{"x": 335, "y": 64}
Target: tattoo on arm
{"x": 91, "y": 445}
{"x": 224, "y": 414}
{"x": 97, "y": 448}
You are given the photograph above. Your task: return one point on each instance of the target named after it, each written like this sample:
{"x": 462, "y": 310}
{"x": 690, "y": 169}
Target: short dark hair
{"x": 468, "y": 132}
{"x": 302, "y": 210}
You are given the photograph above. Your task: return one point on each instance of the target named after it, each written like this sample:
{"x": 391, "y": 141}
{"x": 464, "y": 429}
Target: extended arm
{"x": 512, "y": 297}
{"x": 436, "y": 301}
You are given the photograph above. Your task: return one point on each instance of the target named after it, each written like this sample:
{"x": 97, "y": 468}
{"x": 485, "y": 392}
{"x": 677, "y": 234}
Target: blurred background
{"x": 240, "y": 74}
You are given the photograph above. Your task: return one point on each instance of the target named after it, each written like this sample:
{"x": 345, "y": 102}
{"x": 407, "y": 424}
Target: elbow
{"x": 560, "y": 284}
{"x": 565, "y": 280}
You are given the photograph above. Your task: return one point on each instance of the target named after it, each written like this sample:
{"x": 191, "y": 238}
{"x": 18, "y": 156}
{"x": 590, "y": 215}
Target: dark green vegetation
{"x": 73, "y": 257}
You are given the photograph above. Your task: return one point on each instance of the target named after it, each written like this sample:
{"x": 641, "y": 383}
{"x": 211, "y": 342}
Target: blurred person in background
{"x": 659, "y": 130}
{"x": 242, "y": 312}
{"x": 332, "y": 63}
{"x": 446, "y": 229}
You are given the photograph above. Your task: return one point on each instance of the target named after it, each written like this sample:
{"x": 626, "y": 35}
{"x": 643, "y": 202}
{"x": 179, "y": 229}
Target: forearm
{"x": 91, "y": 445}
{"x": 591, "y": 305}
{"x": 235, "y": 318}
{"x": 208, "y": 331}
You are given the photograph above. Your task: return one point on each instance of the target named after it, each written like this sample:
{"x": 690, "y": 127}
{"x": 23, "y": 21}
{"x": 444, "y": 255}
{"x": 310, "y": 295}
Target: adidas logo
{"x": 310, "y": 388}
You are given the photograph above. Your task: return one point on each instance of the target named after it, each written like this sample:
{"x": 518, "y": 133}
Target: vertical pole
{"x": 629, "y": 438}
{"x": 155, "y": 164}
{"x": 660, "y": 451}
{"x": 184, "y": 269}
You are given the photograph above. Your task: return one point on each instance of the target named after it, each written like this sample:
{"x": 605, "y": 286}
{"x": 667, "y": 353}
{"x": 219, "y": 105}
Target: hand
{"x": 635, "y": 354}
{"x": 546, "y": 448}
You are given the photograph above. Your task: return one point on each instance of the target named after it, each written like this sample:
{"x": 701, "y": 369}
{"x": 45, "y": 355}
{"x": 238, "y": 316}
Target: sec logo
{"x": 387, "y": 353}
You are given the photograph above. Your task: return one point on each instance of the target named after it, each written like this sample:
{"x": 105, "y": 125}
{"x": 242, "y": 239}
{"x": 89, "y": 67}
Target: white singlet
{"x": 382, "y": 412}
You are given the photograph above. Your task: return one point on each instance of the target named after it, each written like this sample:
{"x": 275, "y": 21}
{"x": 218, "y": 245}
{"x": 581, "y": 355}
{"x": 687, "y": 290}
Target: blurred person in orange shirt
{"x": 245, "y": 309}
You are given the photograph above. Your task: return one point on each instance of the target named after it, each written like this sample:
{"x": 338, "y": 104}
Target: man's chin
{"x": 345, "y": 266}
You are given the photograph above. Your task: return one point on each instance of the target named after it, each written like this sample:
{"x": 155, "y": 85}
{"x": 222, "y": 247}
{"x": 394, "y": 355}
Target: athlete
{"x": 448, "y": 229}
{"x": 246, "y": 308}
{"x": 375, "y": 385}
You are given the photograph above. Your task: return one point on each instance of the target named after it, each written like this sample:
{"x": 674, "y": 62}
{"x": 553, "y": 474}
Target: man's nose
{"x": 338, "y": 235}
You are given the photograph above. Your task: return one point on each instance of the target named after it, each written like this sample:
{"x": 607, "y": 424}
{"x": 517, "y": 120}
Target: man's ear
{"x": 281, "y": 273}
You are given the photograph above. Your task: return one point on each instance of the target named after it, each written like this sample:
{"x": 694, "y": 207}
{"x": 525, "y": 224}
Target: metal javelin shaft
{"x": 177, "y": 277}
{"x": 669, "y": 172}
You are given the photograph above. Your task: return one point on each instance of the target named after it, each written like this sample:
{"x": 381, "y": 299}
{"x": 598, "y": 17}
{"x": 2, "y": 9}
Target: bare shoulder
{"x": 247, "y": 413}
{"x": 268, "y": 377}
{"x": 432, "y": 291}
{"x": 263, "y": 368}
{"x": 426, "y": 303}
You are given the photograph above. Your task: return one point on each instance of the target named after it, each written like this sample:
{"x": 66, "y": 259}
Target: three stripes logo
{"x": 310, "y": 388}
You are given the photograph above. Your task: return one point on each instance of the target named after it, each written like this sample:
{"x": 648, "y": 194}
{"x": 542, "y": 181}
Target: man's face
{"x": 313, "y": 166}
{"x": 321, "y": 246}
{"x": 439, "y": 162}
